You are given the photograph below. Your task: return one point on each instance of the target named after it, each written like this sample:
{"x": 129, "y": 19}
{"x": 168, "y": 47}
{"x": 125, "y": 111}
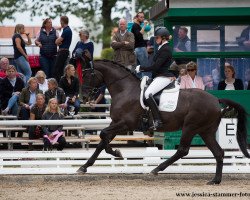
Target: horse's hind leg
{"x": 182, "y": 151}
{"x": 214, "y": 147}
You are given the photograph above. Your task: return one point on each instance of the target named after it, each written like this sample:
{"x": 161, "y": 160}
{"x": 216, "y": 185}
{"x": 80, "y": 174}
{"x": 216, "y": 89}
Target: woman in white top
{"x": 42, "y": 81}
{"x": 230, "y": 82}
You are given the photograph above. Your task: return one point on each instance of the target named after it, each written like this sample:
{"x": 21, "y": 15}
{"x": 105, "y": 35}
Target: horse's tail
{"x": 241, "y": 126}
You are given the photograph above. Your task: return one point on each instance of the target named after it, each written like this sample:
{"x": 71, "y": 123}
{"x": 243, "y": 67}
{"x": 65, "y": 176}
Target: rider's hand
{"x": 137, "y": 69}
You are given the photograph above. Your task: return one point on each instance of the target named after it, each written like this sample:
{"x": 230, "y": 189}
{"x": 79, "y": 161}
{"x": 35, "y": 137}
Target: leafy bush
{"x": 107, "y": 53}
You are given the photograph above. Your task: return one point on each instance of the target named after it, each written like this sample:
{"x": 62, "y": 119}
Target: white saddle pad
{"x": 168, "y": 99}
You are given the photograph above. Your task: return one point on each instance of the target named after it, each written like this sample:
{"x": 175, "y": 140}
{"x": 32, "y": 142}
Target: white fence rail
{"x": 140, "y": 161}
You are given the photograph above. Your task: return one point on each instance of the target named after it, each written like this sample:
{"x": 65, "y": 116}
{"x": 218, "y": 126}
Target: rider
{"x": 160, "y": 72}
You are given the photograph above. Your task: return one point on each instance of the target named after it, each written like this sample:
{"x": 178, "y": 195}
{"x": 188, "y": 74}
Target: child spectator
{"x": 53, "y": 133}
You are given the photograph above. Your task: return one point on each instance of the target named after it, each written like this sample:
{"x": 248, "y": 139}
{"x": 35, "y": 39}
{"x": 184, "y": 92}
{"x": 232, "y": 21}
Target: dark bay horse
{"x": 197, "y": 112}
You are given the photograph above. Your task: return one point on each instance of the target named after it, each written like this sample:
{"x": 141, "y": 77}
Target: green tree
{"x": 95, "y": 14}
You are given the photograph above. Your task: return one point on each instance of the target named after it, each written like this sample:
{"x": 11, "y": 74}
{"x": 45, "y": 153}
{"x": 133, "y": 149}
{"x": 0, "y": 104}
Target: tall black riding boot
{"x": 155, "y": 112}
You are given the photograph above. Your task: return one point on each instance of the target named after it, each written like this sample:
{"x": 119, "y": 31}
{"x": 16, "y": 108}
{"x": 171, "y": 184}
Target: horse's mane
{"x": 119, "y": 65}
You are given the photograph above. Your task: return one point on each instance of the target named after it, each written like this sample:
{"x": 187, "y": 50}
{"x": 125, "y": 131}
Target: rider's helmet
{"x": 162, "y": 32}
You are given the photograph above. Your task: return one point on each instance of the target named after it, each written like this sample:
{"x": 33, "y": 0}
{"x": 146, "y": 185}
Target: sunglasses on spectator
{"x": 191, "y": 70}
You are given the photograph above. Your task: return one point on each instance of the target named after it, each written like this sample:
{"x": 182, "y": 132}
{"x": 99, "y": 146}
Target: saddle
{"x": 166, "y": 99}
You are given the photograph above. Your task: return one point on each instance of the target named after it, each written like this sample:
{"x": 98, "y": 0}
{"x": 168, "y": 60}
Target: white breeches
{"x": 158, "y": 84}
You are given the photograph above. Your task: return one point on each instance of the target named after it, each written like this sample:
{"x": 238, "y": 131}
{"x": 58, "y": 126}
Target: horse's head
{"x": 92, "y": 79}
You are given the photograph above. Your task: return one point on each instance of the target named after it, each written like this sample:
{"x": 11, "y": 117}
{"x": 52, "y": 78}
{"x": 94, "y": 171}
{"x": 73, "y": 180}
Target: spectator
{"x": 248, "y": 87}
{"x": 244, "y": 39}
{"x": 11, "y": 87}
{"x": 230, "y": 83}
{"x": 247, "y": 77}
{"x": 63, "y": 42}
{"x": 36, "y": 113}
{"x": 70, "y": 84}
{"x": 84, "y": 43}
{"x": 28, "y": 98}
{"x": 191, "y": 80}
{"x": 150, "y": 50}
{"x": 42, "y": 81}
{"x": 86, "y": 46}
{"x": 161, "y": 73}
{"x": 208, "y": 82}
{"x": 216, "y": 75}
{"x": 55, "y": 92}
{"x": 123, "y": 44}
{"x": 53, "y": 133}
{"x": 20, "y": 54}
{"x": 140, "y": 44}
{"x": 184, "y": 43}
{"x": 4, "y": 63}
{"x": 99, "y": 98}
{"x": 45, "y": 40}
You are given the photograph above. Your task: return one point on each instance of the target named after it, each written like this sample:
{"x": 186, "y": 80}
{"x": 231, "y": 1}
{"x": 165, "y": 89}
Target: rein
{"x": 117, "y": 80}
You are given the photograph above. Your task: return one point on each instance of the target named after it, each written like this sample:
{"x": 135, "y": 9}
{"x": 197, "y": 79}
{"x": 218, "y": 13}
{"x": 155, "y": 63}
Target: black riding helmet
{"x": 162, "y": 32}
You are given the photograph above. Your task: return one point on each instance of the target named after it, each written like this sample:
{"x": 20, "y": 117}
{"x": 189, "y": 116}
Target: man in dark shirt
{"x": 140, "y": 43}
{"x": 63, "y": 42}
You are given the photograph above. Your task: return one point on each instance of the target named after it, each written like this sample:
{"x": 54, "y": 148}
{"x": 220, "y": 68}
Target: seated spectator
{"x": 70, "y": 84}
{"x": 53, "y": 133}
{"x": 99, "y": 98}
{"x": 4, "y": 63}
{"x": 208, "y": 82}
{"x": 55, "y": 92}
{"x": 191, "y": 80}
{"x": 42, "y": 81}
{"x": 36, "y": 113}
{"x": 11, "y": 87}
{"x": 28, "y": 98}
{"x": 230, "y": 83}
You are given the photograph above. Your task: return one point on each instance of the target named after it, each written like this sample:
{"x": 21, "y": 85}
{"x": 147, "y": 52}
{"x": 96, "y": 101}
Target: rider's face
{"x": 158, "y": 40}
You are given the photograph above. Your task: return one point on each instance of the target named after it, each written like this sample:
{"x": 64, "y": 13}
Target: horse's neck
{"x": 118, "y": 80}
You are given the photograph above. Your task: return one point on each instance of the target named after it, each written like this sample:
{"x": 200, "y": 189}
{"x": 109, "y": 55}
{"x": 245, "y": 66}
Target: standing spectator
{"x": 55, "y": 92}
{"x": 11, "y": 87}
{"x": 85, "y": 43}
{"x": 123, "y": 44}
{"x": 244, "y": 39}
{"x": 140, "y": 43}
{"x": 42, "y": 81}
{"x": 70, "y": 84}
{"x": 230, "y": 83}
{"x": 53, "y": 133}
{"x": 20, "y": 54}
{"x": 36, "y": 113}
{"x": 45, "y": 40}
{"x": 184, "y": 43}
{"x": 191, "y": 80}
{"x": 63, "y": 42}
{"x": 28, "y": 98}
{"x": 83, "y": 46}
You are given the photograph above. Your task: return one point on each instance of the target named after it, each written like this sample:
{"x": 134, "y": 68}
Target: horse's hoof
{"x": 213, "y": 182}
{"x": 81, "y": 170}
{"x": 154, "y": 172}
{"x": 118, "y": 153}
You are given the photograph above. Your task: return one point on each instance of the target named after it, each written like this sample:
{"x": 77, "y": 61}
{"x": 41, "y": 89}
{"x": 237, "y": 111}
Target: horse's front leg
{"x": 106, "y": 135}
